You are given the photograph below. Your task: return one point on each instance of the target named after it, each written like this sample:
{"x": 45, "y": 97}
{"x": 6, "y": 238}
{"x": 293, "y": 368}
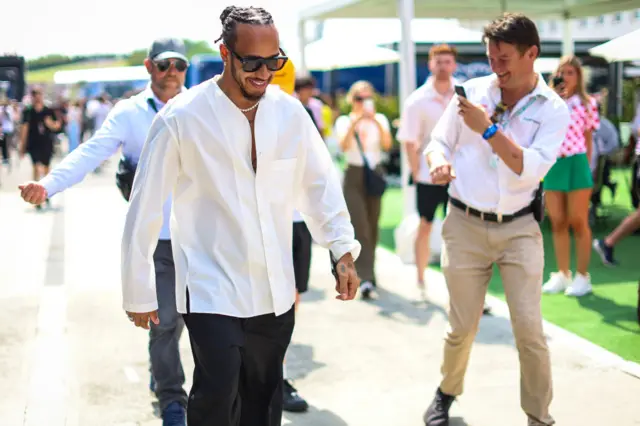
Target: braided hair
{"x": 233, "y": 15}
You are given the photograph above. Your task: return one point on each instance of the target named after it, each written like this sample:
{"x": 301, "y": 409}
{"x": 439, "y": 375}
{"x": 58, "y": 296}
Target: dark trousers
{"x": 302, "y": 245}
{"x": 5, "y": 140}
{"x": 365, "y": 215}
{"x": 164, "y": 338}
{"x": 237, "y": 379}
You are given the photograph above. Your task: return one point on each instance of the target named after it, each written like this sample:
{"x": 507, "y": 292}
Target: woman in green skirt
{"x": 569, "y": 183}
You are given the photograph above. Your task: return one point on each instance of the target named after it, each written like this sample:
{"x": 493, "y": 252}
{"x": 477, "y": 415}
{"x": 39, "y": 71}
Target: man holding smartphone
{"x": 501, "y": 140}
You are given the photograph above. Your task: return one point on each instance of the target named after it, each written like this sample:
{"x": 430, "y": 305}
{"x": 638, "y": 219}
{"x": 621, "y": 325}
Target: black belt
{"x": 490, "y": 217}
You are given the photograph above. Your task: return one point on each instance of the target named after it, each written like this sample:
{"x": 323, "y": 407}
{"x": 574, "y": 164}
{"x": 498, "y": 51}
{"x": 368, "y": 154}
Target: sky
{"x": 83, "y": 27}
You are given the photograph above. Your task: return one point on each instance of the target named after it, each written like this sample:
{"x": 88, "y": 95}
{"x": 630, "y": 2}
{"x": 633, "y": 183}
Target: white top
{"x": 230, "y": 226}
{"x": 422, "y": 110}
{"x": 483, "y": 181}
{"x": 74, "y": 114}
{"x": 369, "y": 135}
{"x": 126, "y": 126}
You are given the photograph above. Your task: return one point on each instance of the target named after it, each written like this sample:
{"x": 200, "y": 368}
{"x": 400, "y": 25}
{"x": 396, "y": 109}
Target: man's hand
{"x": 143, "y": 320}
{"x": 475, "y": 117}
{"x": 440, "y": 169}
{"x": 348, "y": 281}
{"x": 33, "y": 192}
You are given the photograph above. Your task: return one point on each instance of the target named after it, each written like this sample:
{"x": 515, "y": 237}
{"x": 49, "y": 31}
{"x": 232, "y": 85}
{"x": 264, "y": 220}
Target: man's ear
{"x": 148, "y": 65}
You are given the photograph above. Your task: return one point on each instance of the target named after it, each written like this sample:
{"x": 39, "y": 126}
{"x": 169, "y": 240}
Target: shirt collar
{"x": 431, "y": 91}
{"x": 148, "y": 94}
{"x": 541, "y": 89}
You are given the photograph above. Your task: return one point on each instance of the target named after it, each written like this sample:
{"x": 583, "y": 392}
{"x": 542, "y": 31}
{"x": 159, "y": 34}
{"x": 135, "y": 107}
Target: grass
{"x": 46, "y": 75}
{"x": 608, "y": 316}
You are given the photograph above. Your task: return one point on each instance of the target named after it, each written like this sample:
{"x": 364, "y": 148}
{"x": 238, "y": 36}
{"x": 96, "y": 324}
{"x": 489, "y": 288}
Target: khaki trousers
{"x": 365, "y": 215}
{"x": 470, "y": 248}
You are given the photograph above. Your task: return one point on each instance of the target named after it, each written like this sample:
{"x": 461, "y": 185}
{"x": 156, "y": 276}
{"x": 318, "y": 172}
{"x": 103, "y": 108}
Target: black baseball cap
{"x": 168, "y": 48}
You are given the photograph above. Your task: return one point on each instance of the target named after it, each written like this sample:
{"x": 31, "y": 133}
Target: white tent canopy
{"x": 623, "y": 48}
{"x": 467, "y": 9}
{"x": 327, "y": 54}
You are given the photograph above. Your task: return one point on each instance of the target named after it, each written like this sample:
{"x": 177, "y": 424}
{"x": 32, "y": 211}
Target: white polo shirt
{"x": 482, "y": 180}
{"x": 422, "y": 110}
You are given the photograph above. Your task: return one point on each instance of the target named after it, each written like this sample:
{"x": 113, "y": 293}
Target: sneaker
{"x": 486, "y": 310}
{"x": 366, "y": 288}
{"x": 605, "y": 252}
{"x": 422, "y": 291}
{"x": 580, "y": 286}
{"x": 558, "y": 283}
{"x": 438, "y": 412}
{"x": 292, "y": 401}
{"x": 174, "y": 415}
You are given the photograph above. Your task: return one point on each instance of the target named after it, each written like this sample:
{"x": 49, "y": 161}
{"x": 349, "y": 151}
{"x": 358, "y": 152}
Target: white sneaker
{"x": 558, "y": 283}
{"x": 580, "y": 286}
{"x": 422, "y": 292}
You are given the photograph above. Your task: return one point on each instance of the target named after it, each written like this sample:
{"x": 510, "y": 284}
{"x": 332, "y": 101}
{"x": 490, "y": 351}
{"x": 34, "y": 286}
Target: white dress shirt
{"x": 230, "y": 226}
{"x": 482, "y": 180}
{"x": 421, "y": 112}
{"x": 125, "y": 127}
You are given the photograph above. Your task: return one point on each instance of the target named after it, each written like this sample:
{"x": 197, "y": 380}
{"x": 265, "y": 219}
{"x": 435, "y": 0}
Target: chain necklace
{"x": 250, "y": 108}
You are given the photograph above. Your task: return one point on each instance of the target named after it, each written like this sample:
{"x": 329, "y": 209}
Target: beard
{"x": 248, "y": 96}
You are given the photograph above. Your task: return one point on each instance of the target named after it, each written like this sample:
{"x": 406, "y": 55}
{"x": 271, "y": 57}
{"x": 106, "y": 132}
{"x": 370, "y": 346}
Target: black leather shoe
{"x": 438, "y": 412}
{"x": 292, "y": 402}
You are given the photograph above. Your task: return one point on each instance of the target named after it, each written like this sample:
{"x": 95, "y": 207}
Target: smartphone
{"x": 369, "y": 105}
{"x": 461, "y": 92}
{"x": 557, "y": 80}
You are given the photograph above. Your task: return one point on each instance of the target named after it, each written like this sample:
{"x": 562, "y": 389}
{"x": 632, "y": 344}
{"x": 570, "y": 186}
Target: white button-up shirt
{"x": 421, "y": 112}
{"x": 230, "y": 226}
{"x": 482, "y": 180}
{"x": 125, "y": 127}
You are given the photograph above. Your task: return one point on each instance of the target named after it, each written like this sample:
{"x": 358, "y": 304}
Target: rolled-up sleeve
{"x": 541, "y": 155}
{"x": 155, "y": 178}
{"x": 91, "y": 154}
{"x": 444, "y": 136}
{"x": 320, "y": 200}
{"x": 411, "y": 122}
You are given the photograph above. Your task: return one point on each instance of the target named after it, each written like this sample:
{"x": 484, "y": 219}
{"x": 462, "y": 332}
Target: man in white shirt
{"x": 238, "y": 156}
{"x": 422, "y": 110}
{"x": 126, "y": 128}
{"x": 494, "y": 147}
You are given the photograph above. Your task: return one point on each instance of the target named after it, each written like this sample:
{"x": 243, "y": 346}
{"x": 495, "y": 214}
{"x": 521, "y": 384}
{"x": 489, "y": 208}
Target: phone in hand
{"x": 460, "y": 91}
{"x": 369, "y": 105}
{"x": 558, "y": 80}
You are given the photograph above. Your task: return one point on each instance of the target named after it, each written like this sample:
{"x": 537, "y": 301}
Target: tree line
{"x": 134, "y": 58}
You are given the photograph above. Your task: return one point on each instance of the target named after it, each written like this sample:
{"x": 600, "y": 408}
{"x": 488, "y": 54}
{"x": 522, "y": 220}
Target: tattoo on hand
{"x": 343, "y": 269}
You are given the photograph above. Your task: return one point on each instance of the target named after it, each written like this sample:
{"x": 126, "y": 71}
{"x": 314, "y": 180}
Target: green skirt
{"x": 569, "y": 174}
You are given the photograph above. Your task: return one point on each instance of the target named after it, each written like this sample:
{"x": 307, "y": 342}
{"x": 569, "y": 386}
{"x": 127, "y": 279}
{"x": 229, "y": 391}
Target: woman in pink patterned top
{"x": 569, "y": 183}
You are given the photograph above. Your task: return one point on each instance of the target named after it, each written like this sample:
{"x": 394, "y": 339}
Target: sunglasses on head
{"x": 254, "y": 63}
{"x": 164, "y": 64}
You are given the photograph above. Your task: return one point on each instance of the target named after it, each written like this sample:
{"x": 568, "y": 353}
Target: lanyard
{"x": 152, "y": 104}
{"x": 502, "y": 117}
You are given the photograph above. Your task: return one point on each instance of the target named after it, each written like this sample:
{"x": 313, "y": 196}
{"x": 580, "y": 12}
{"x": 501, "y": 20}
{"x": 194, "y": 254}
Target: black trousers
{"x": 302, "y": 243}
{"x": 237, "y": 379}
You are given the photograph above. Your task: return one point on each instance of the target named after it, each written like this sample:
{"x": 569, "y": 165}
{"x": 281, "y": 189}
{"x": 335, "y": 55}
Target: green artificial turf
{"x": 608, "y": 316}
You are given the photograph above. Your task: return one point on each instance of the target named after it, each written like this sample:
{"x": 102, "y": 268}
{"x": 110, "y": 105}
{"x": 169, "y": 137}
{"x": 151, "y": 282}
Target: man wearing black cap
{"x": 126, "y": 127}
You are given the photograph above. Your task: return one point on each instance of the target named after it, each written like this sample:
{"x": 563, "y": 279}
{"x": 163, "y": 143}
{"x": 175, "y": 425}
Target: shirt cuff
{"x": 530, "y": 162}
{"x": 49, "y": 186}
{"x": 339, "y": 249}
{"x": 140, "y": 308}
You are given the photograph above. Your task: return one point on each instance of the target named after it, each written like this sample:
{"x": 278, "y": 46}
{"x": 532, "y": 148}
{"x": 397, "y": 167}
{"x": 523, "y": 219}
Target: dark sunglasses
{"x": 164, "y": 64}
{"x": 254, "y": 63}
{"x": 361, "y": 98}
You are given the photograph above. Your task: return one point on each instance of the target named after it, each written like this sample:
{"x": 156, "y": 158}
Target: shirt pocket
{"x": 525, "y": 131}
{"x": 280, "y": 176}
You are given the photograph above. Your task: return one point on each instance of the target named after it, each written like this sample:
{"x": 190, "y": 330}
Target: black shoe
{"x": 605, "y": 252}
{"x": 438, "y": 412}
{"x": 366, "y": 290}
{"x": 292, "y": 402}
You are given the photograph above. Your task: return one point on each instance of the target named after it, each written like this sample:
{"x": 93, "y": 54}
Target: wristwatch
{"x": 490, "y": 132}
